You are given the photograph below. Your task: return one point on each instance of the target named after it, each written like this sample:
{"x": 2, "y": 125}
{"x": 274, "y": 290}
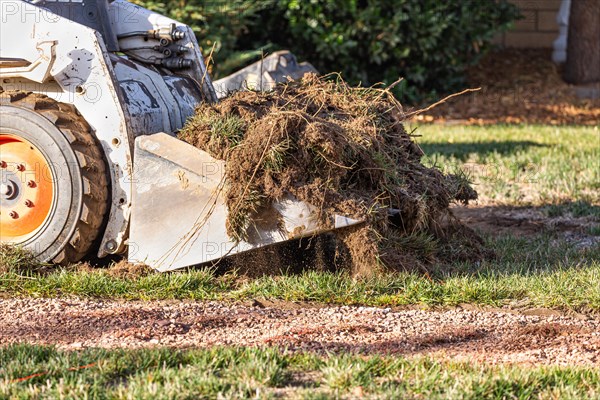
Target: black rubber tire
{"x": 78, "y": 167}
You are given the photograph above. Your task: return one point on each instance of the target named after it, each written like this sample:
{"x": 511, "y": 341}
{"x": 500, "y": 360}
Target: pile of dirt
{"x": 344, "y": 150}
{"x": 121, "y": 269}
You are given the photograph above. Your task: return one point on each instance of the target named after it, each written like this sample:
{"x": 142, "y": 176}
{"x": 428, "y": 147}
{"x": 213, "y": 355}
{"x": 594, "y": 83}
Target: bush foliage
{"x": 428, "y": 42}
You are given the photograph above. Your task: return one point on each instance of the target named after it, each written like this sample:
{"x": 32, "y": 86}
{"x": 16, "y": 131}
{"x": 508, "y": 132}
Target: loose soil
{"x": 529, "y": 222}
{"x": 345, "y": 151}
{"x": 517, "y": 86}
{"x": 494, "y": 337}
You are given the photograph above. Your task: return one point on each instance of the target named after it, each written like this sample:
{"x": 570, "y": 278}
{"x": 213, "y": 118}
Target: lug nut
{"x": 29, "y": 203}
{"x": 13, "y": 215}
{"x": 31, "y": 184}
{"x": 3, "y": 164}
{"x": 21, "y": 168}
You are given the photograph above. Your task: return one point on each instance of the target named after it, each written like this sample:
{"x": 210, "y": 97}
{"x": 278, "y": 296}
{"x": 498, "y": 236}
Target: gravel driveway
{"x": 457, "y": 333}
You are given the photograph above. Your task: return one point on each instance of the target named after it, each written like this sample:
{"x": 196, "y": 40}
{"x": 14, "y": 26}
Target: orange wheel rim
{"x": 26, "y": 188}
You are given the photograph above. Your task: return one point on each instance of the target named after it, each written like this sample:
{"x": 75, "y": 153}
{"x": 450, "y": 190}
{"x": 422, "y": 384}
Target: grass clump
{"x": 17, "y": 259}
{"x": 344, "y": 150}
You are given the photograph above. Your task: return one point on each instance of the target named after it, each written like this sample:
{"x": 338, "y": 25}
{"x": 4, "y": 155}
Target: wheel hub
{"x": 6, "y": 191}
{"x": 26, "y": 189}
{"x": 9, "y": 190}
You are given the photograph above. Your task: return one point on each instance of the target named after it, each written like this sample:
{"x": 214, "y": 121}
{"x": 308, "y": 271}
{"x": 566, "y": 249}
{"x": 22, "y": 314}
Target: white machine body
{"x": 136, "y": 76}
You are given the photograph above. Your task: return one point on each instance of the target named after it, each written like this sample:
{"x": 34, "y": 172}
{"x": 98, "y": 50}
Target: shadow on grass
{"x": 462, "y": 150}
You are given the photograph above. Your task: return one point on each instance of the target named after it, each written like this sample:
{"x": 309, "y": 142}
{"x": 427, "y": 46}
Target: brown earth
{"x": 517, "y": 86}
{"x": 528, "y": 222}
{"x": 494, "y": 337}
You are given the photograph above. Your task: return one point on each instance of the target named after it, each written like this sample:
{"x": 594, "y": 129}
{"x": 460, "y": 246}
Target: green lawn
{"x": 39, "y": 372}
{"x": 520, "y": 165}
{"x": 538, "y": 272}
{"x": 544, "y": 271}
{"x": 555, "y": 168}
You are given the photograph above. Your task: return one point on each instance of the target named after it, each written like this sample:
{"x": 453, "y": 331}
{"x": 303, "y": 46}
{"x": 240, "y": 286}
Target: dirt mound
{"x": 344, "y": 150}
{"x": 121, "y": 269}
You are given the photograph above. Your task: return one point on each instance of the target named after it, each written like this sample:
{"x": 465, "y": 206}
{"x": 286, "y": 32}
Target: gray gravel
{"x": 494, "y": 337}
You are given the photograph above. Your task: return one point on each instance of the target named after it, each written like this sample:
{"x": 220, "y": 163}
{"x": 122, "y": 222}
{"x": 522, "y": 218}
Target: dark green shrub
{"x": 428, "y": 42}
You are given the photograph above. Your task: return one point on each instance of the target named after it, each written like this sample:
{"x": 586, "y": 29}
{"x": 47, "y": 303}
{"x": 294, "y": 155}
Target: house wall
{"x": 538, "y": 28}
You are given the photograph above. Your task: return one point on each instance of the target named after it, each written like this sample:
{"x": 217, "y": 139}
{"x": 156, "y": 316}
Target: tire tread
{"x": 92, "y": 166}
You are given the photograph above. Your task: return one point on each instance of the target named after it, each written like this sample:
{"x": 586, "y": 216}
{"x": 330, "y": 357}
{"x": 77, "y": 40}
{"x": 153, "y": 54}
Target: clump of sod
{"x": 345, "y": 150}
{"x": 17, "y": 259}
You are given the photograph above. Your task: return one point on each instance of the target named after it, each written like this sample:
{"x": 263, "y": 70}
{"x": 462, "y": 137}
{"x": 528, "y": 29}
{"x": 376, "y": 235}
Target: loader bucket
{"x": 178, "y": 209}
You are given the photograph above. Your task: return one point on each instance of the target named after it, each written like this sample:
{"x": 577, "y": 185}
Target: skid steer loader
{"x": 92, "y": 94}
